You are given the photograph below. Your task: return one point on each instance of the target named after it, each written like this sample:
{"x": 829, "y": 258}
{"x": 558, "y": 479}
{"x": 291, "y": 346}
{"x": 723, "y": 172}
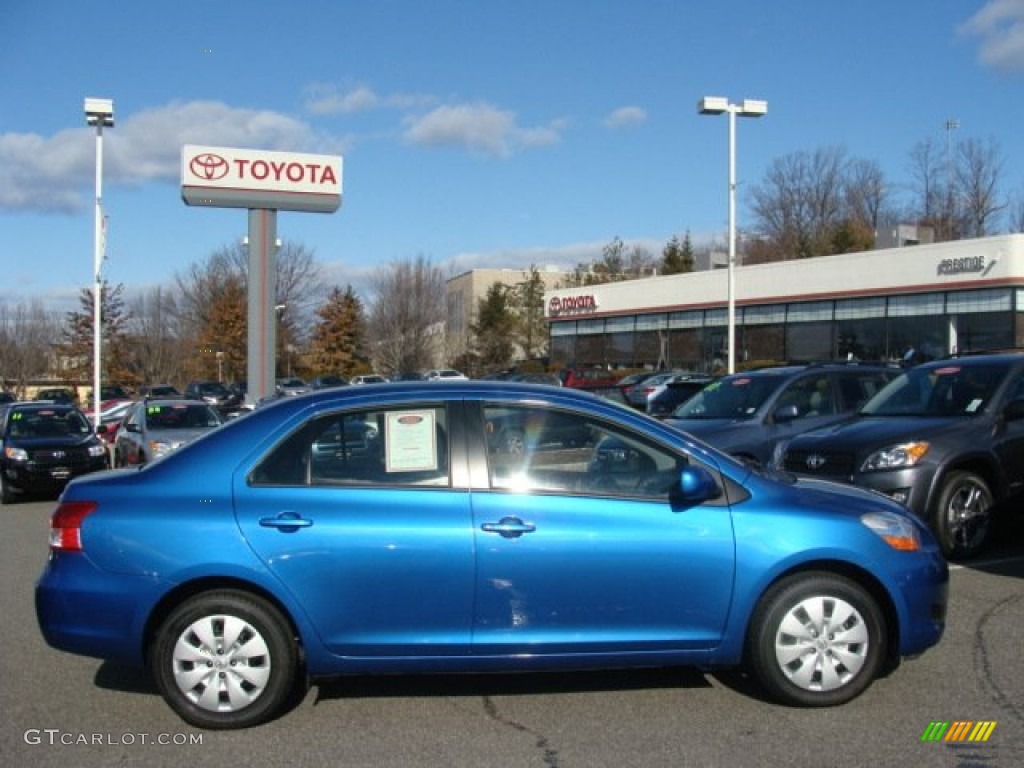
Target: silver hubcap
{"x": 221, "y": 663}
{"x": 967, "y": 516}
{"x": 822, "y": 643}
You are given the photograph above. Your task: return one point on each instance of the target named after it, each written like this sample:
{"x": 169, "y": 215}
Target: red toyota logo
{"x": 554, "y": 306}
{"x": 209, "y": 166}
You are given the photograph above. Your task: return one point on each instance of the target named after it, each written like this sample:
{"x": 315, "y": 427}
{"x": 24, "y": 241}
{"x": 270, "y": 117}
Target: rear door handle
{"x": 509, "y": 527}
{"x": 286, "y": 521}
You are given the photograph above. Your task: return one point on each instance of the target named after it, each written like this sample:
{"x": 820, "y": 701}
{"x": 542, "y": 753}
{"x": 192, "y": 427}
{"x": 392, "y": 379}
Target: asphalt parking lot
{"x": 61, "y": 710}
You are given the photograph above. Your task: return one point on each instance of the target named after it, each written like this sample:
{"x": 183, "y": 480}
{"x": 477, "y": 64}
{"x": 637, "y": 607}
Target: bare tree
{"x": 800, "y": 204}
{"x": 867, "y": 194}
{"x": 155, "y": 339}
{"x": 933, "y": 202}
{"x": 978, "y": 171}
{"x": 29, "y": 335}
{"x": 407, "y": 314}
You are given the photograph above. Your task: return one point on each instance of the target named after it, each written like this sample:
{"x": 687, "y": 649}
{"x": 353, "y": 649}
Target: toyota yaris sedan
{"x": 382, "y": 530}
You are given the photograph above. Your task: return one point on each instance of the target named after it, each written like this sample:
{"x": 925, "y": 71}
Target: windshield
{"x": 949, "y": 390}
{"x": 181, "y": 417}
{"x": 738, "y": 397}
{"x": 47, "y": 423}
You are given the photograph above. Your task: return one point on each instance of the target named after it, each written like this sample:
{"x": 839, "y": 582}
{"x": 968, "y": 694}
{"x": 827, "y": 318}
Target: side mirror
{"x": 696, "y": 485}
{"x": 785, "y": 413}
{"x": 132, "y": 427}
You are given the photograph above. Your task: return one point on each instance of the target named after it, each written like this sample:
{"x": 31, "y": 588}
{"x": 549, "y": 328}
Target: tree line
{"x": 809, "y": 203}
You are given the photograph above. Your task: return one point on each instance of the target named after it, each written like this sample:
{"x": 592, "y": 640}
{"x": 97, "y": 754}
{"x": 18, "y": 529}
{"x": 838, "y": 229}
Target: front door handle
{"x": 509, "y": 527}
{"x": 286, "y": 521}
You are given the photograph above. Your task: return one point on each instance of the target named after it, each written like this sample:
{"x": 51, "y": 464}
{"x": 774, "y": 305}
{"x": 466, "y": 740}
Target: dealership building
{"x": 912, "y": 302}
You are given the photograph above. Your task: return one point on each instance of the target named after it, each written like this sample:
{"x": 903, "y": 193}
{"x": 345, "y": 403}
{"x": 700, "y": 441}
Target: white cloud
{"x": 329, "y": 99}
{"x": 1000, "y": 26}
{"x": 52, "y": 174}
{"x": 479, "y": 127}
{"x": 626, "y": 117}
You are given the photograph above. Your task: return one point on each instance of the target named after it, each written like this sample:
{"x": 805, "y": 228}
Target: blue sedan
{"x": 383, "y": 530}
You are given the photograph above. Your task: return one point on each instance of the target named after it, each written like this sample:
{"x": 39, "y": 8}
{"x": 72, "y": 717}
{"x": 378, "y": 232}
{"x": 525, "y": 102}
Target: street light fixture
{"x": 98, "y": 112}
{"x": 716, "y": 105}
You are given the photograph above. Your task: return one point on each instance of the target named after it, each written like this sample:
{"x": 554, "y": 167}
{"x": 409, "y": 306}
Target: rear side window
{"x": 857, "y": 390}
{"x": 390, "y": 447}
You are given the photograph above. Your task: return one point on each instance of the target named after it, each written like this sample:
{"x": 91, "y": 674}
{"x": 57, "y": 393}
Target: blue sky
{"x": 494, "y": 133}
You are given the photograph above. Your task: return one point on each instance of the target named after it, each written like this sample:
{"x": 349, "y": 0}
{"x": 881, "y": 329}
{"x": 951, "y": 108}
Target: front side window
{"x": 389, "y": 447}
{"x": 536, "y": 449}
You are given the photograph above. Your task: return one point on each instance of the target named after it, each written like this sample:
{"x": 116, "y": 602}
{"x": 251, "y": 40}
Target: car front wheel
{"x": 963, "y": 515}
{"x": 816, "y": 640}
{"x": 225, "y": 659}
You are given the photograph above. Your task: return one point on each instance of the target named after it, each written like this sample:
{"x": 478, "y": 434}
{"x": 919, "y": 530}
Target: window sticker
{"x": 411, "y": 444}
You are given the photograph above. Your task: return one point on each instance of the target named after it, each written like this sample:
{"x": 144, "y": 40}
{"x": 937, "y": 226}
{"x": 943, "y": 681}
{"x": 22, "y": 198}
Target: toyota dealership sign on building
{"x": 228, "y": 177}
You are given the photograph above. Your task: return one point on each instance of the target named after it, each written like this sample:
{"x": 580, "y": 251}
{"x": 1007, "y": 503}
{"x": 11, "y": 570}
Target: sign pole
{"x": 262, "y": 292}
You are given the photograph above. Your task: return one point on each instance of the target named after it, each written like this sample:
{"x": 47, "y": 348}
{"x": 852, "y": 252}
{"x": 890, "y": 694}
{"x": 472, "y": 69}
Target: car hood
{"x": 720, "y": 429}
{"x": 54, "y": 441}
{"x": 864, "y": 431}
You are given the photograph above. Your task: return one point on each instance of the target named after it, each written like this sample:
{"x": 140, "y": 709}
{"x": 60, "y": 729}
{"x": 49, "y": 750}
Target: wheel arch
{"x": 983, "y": 466}
{"x": 169, "y": 602}
{"x": 854, "y": 573}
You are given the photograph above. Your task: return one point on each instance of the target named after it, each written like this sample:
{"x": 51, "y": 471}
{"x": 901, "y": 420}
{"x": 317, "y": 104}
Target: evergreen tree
{"x": 337, "y": 342}
{"x": 676, "y": 257}
{"x": 531, "y": 331}
{"x": 494, "y": 329}
{"x": 78, "y": 336}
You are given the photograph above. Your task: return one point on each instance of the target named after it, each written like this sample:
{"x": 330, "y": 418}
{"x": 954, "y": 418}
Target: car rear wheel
{"x": 225, "y": 659}
{"x": 963, "y": 515}
{"x": 816, "y": 640}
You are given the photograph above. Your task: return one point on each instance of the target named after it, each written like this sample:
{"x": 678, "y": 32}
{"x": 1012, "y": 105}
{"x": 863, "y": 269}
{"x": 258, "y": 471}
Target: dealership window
{"x": 692, "y": 319}
{"x": 563, "y": 350}
{"x": 862, "y": 339}
{"x": 774, "y": 314}
{"x": 920, "y": 304}
{"x": 918, "y": 338}
{"x": 993, "y": 300}
{"x": 984, "y": 330}
{"x": 806, "y": 342}
{"x": 809, "y": 311}
{"x": 763, "y": 343}
{"x": 685, "y": 349}
{"x": 590, "y": 327}
{"x": 590, "y": 350}
{"x": 853, "y": 309}
{"x": 564, "y": 328}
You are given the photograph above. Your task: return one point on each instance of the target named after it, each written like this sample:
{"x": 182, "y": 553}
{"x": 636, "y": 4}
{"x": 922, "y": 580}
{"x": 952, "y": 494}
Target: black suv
{"x": 747, "y": 414}
{"x": 214, "y": 393}
{"x": 946, "y": 439}
{"x": 44, "y": 446}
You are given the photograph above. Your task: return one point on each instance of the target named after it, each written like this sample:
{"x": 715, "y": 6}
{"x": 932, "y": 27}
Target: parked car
{"x": 593, "y": 379}
{"x": 638, "y": 394}
{"x": 946, "y": 439}
{"x": 669, "y": 395}
{"x": 368, "y": 378}
{"x": 445, "y": 374}
{"x": 153, "y": 428}
{"x": 292, "y": 386}
{"x": 408, "y": 376}
{"x": 44, "y": 446}
{"x": 214, "y": 393}
{"x": 110, "y": 419}
{"x": 7, "y": 397}
{"x": 748, "y": 414}
{"x": 159, "y": 390}
{"x": 626, "y": 382}
{"x": 237, "y": 568}
{"x": 114, "y": 392}
{"x": 536, "y": 377}
{"x": 57, "y": 395}
{"x": 327, "y": 382}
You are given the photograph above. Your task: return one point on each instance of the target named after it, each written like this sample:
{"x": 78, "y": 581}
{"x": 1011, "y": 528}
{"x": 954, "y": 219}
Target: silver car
{"x": 154, "y": 428}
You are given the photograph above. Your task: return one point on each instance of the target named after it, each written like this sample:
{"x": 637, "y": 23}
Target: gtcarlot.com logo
{"x": 959, "y": 730}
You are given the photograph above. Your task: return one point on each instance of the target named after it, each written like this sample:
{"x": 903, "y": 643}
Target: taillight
{"x": 66, "y": 525}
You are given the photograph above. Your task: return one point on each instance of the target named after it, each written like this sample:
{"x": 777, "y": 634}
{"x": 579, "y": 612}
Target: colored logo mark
{"x": 959, "y": 730}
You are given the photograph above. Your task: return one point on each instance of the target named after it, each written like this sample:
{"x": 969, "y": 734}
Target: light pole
{"x": 98, "y": 112}
{"x": 951, "y": 125}
{"x": 716, "y": 105}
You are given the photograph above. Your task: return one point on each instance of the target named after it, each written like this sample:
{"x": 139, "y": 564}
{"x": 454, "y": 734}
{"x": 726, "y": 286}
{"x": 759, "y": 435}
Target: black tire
{"x": 241, "y": 686}
{"x": 962, "y": 517}
{"x": 800, "y": 657}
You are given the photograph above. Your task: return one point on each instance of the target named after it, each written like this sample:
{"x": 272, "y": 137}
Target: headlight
{"x": 97, "y": 450}
{"x": 898, "y": 532}
{"x": 160, "y": 447}
{"x": 16, "y": 454}
{"x": 896, "y": 456}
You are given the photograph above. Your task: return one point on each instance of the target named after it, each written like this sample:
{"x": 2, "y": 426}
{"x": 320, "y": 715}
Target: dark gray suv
{"x": 747, "y": 414}
{"x": 946, "y": 439}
